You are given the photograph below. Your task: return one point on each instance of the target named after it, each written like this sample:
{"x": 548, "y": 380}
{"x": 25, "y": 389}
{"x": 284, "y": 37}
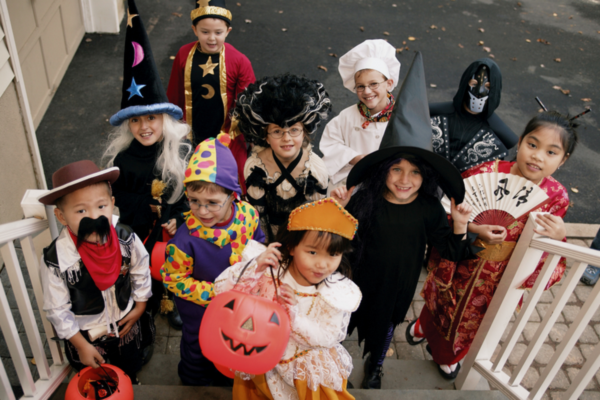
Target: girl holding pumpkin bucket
{"x": 309, "y": 256}
{"x": 217, "y": 233}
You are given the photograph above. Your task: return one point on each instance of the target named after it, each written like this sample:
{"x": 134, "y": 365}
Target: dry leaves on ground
{"x": 238, "y": 4}
{"x": 480, "y": 43}
{"x": 333, "y": 55}
{"x": 172, "y": 57}
{"x": 544, "y": 41}
{"x": 481, "y": 30}
{"x": 564, "y": 91}
{"x": 248, "y": 21}
{"x": 586, "y": 99}
{"x": 412, "y": 38}
{"x": 461, "y": 46}
{"x": 528, "y": 41}
{"x": 514, "y": 59}
{"x": 177, "y": 14}
{"x": 399, "y": 50}
{"x": 322, "y": 67}
{"x": 433, "y": 85}
{"x": 574, "y": 190}
{"x": 486, "y": 49}
{"x": 557, "y": 60}
{"x": 284, "y": 29}
{"x": 362, "y": 28}
{"x": 386, "y": 33}
{"x": 435, "y": 27}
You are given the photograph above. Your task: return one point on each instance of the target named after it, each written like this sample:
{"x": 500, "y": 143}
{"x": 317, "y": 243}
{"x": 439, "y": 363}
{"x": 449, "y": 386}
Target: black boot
{"x": 174, "y": 318}
{"x": 373, "y": 374}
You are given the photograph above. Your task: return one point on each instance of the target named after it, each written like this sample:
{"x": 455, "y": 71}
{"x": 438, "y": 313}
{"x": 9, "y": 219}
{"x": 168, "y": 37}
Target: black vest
{"x": 86, "y": 298}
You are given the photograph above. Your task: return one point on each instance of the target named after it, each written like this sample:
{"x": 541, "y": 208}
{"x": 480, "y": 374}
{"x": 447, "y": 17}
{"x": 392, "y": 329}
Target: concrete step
{"x": 155, "y": 392}
{"x": 398, "y": 374}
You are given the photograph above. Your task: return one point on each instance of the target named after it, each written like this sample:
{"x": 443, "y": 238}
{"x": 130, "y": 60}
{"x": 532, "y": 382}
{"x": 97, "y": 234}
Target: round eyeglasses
{"x": 212, "y": 207}
{"x": 278, "y": 133}
{"x": 372, "y": 86}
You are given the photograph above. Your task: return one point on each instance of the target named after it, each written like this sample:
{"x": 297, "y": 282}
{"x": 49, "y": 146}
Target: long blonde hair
{"x": 172, "y": 156}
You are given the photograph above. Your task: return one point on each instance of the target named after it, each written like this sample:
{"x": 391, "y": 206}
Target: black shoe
{"x": 410, "y": 338}
{"x": 147, "y": 354}
{"x": 444, "y": 375}
{"x": 174, "y": 318}
{"x": 372, "y": 379}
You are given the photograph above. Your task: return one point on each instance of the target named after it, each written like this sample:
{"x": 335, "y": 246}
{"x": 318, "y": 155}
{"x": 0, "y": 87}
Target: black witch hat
{"x": 211, "y": 9}
{"x": 409, "y": 133}
{"x": 143, "y": 92}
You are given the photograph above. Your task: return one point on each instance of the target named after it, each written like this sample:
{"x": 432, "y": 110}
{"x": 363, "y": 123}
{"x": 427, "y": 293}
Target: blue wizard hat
{"x": 143, "y": 92}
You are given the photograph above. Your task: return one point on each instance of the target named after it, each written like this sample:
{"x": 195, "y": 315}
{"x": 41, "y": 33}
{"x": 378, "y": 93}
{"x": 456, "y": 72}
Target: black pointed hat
{"x": 143, "y": 92}
{"x": 409, "y": 133}
{"x": 211, "y": 9}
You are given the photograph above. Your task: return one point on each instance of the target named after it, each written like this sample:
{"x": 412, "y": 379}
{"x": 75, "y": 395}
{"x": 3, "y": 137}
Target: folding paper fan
{"x": 499, "y": 198}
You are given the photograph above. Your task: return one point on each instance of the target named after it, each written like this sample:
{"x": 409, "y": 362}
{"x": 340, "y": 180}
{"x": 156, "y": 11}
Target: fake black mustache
{"x": 87, "y": 226}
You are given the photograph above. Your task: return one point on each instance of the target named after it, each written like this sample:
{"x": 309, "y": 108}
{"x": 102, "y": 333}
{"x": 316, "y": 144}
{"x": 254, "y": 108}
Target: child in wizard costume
{"x": 150, "y": 148}
{"x": 219, "y": 231}
{"x": 207, "y": 76}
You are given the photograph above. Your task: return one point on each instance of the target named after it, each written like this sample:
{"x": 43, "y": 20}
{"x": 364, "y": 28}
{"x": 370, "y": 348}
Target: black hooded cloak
{"x": 470, "y": 139}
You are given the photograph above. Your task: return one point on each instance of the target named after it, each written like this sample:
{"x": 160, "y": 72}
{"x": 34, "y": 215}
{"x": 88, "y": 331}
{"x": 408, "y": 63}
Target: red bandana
{"x": 103, "y": 261}
{"x": 383, "y": 116}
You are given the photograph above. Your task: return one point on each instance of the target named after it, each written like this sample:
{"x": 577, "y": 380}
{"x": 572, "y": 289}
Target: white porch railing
{"x": 523, "y": 262}
{"x": 50, "y": 376}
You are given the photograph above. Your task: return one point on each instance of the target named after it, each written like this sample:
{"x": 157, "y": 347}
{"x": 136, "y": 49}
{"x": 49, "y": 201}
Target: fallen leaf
{"x": 574, "y": 190}
{"x": 177, "y": 14}
{"x": 386, "y": 33}
{"x": 393, "y": 5}
{"x": 399, "y": 50}
{"x": 461, "y": 46}
{"x": 248, "y": 21}
{"x": 389, "y": 352}
{"x": 519, "y": 4}
{"x": 492, "y": 56}
{"x": 362, "y": 28}
{"x": 433, "y": 85}
{"x": 406, "y": 48}
{"x": 412, "y": 38}
{"x": 322, "y": 67}
{"x": 238, "y": 4}
{"x": 433, "y": 27}
{"x": 528, "y": 41}
{"x": 581, "y": 33}
{"x": 565, "y": 91}
{"x": 481, "y": 30}
{"x": 571, "y": 17}
{"x": 557, "y": 60}
{"x": 33, "y": 360}
{"x": 571, "y": 205}
{"x": 586, "y": 99}
{"x": 172, "y": 57}
{"x": 541, "y": 110}
{"x": 444, "y": 29}
{"x": 554, "y": 14}
{"x": 280, "y": 11}
{"x": 542, "y": 65}
{"x": 333, "y": 55}
{"x": 480, "y": 43}
{"x": 514, "y": 59}
{"x": 486, "y": 49}
{"x": 88, "y": 40}
{"x": 544, "y": 41}
{"x": 284, "y": 29}
{"x": 556, "y": 87}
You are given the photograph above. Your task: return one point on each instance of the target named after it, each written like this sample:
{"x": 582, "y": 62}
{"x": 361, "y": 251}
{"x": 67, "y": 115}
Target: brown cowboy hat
{"x": 75, "y": 176}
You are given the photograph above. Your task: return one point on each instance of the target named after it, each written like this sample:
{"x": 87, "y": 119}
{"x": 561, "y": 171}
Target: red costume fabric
{"x": 457, "y": 295}
{"x": 239, "y": 75}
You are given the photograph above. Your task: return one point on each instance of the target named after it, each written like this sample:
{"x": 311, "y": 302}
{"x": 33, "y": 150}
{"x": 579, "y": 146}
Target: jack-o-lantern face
{"x": 99, "y": 383}
{"x": 244, "y": 332}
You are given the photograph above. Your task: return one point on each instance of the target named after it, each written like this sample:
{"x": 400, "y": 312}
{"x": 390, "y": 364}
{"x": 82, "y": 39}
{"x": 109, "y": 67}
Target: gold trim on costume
{"x": 223, "y": 80}
{"x": 210, "y": 10}
{"x": 233, "y": 128}
{"x": 495, "y": 252}
{"x": 187, "y": 78}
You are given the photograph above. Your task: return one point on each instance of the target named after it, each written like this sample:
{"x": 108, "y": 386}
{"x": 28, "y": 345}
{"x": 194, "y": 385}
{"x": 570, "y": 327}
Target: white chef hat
{"x": 376, "y": 54}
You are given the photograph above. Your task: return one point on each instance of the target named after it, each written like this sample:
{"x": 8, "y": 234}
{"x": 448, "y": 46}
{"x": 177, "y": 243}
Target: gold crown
{"x": 326, "y": 215}
{"x": 210, "y": 10}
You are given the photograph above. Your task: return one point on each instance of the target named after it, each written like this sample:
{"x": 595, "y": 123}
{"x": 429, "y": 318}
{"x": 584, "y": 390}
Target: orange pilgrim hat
{"x": 326, "y": 215}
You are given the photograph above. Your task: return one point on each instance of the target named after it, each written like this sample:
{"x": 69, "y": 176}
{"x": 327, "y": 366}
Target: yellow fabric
{"x": 257, "y": 389}
{"x": 325, "y": 215}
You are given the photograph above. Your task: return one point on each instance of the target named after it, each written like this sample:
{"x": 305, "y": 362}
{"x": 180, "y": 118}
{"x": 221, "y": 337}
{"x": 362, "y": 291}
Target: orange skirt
{"x": 257, "y": 389}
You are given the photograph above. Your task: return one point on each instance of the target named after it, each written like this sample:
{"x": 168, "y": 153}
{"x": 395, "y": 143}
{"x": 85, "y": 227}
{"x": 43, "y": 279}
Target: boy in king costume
{"x": 207, "y": 77}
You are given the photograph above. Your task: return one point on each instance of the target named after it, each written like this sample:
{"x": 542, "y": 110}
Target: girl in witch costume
{"x": 95, "y": 275}
{"x": 311, "y": 264}
{"x": 457, "y": 294}
{"x": 278, "y": 115}
{"x": 150, "y": 149}
{"x": 371, "y": 70}
{"x": 207, "y": 77}
{"x": 218, "y": 231}
{"x": 466, "y": 131}
{"x": 398, "y": 212}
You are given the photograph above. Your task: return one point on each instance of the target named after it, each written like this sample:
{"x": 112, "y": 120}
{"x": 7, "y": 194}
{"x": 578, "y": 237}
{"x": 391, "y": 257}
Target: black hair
{"x": 336, "y": 244}
{"x": 553, "y": 119}
{"x": 60, "y": 202}
{"x": 282, "y": 100}
{"x": 370, "y": 195}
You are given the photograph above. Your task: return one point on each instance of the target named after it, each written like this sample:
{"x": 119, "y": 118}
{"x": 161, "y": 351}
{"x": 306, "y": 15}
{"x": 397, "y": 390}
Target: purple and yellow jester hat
{"x": 212, "y": 161}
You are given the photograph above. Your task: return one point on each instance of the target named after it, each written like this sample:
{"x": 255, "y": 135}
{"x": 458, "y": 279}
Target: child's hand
{"x": 156, "y": 208}
{"x": 551, "y": 226}
{"x": 88, "y": 355}
{"x": 269, "y": 258}
{"x": 460, "y": 215}
{"x": 490, "y": 234}
{"x": 171, "y": 226}
{"x": 342, "y": 195}
{"x": 130, "y": 319}
{"x": 287, "y": 295}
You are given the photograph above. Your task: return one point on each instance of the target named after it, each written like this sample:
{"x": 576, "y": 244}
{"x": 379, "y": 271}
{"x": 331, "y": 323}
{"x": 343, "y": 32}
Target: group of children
{"x": 237, "y": 192}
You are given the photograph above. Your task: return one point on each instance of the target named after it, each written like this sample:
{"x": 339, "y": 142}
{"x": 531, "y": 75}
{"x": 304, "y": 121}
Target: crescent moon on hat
{"x": 211, "y": 92}
{"x": 138, "y": 53}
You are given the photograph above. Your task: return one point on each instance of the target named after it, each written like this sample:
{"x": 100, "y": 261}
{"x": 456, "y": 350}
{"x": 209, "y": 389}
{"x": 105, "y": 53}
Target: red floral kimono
{"x": 457, "y": 295}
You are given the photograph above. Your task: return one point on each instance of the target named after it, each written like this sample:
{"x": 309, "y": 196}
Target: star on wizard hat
{"x": 409, "y": 133}
{"x": 143, "y": 92}
{"x": 211, "y": 9}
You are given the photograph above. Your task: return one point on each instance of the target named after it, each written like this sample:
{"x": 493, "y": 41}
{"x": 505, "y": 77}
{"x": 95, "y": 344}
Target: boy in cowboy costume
{"x": 95, "y": 274}
{"x": 207, "y": 76}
